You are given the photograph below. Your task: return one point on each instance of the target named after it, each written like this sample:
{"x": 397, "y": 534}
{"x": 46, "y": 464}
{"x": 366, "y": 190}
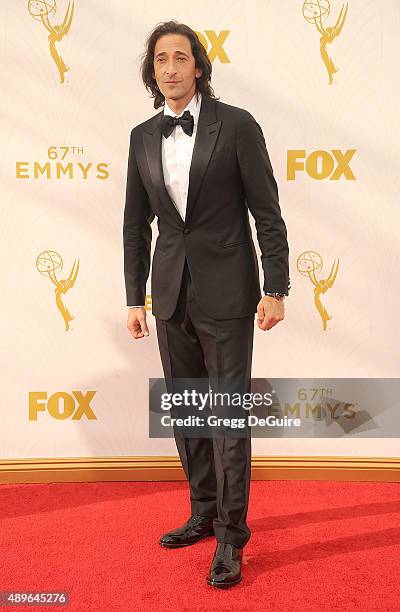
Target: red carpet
{"x": 315, "y": 545}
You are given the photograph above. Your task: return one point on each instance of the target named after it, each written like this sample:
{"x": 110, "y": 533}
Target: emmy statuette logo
{"x": 42, "y": 10}
{"x": 308, "y": 264}
{"x": 47, "y": 263}
{"x": 315, "y": 11}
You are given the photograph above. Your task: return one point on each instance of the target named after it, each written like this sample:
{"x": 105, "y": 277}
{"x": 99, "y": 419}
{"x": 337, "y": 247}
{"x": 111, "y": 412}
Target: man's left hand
{"x": 269, "y": 311}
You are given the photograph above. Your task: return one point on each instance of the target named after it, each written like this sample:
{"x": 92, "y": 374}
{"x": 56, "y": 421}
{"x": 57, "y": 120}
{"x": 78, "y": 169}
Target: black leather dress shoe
{"x": 196, "y": 528}
{"x": 225, "y": 570}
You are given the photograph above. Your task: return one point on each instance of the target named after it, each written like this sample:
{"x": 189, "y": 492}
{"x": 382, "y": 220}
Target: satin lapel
{"x": 208, "y": 128}
{"x": 152, "y": 145}
{"x": 207, "y": 132}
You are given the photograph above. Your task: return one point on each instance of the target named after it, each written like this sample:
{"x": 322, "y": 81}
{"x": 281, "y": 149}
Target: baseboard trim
{"x": 147, "y": 468}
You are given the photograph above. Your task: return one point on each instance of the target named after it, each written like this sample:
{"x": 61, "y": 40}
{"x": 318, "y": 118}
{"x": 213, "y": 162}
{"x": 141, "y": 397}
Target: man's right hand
{"x": 137, "y": 323}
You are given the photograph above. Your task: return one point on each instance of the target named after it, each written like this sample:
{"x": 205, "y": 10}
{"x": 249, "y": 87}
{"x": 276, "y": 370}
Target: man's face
{"x": 174, "y": 66}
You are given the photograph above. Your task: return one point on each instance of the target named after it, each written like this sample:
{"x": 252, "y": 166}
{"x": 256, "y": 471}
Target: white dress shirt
{"x": 176, "y": 153}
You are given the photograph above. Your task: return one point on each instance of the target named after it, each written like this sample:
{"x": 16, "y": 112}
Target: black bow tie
{"x": 186, "y": 121}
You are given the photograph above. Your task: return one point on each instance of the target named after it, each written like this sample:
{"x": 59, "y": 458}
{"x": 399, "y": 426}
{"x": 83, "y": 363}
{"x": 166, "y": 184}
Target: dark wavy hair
{"x": 203, "y": 83}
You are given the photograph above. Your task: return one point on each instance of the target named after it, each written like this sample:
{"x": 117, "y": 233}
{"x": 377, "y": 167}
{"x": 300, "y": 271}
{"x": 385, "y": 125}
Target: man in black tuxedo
{"x": 200, "y": 165}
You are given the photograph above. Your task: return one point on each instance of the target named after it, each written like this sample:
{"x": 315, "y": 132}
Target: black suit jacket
{"x": 230, "y": 174}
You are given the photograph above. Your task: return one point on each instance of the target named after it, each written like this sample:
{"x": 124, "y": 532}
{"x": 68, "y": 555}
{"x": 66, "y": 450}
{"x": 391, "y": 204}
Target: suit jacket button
{"x": 186, "y": 230}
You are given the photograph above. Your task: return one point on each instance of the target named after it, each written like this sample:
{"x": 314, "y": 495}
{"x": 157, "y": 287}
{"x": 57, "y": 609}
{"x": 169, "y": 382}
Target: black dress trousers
{"x": 194, "y": 345}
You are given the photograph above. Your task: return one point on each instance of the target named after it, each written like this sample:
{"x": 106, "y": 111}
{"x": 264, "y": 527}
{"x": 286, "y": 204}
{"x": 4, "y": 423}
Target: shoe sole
{"x": 206, "y": 535}
{"x": 220, "y": 585}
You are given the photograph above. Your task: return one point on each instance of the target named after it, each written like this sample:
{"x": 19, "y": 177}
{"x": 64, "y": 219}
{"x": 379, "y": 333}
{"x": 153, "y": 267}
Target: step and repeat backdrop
{"x": 321, "y": 78}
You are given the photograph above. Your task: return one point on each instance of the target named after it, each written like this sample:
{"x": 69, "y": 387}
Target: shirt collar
{"x": 193, "y": 106}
